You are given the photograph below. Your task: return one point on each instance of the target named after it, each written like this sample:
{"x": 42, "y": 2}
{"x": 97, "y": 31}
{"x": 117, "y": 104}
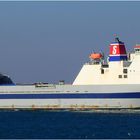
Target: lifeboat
{"x": 95, "y": 56}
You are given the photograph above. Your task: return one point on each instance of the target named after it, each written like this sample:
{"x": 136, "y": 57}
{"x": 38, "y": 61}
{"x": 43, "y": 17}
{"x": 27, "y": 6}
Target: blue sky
{"x": 50, "y": 41}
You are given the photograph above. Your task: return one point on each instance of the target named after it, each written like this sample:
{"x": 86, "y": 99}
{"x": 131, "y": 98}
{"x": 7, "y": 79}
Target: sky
{"x": 50, "y": 41}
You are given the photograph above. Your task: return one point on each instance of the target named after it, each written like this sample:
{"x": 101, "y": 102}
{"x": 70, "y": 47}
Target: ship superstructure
{"x": 100, "y": 84}
{"x": 122, "y": 68}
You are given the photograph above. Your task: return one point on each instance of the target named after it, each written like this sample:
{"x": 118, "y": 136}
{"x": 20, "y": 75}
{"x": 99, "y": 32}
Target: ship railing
{"x": 92, "y": 63}
{"x": 44, "y": 85}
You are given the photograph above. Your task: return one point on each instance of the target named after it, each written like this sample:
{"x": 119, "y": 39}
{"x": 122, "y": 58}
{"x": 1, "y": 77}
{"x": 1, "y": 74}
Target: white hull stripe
{"x": 119, "y": 55}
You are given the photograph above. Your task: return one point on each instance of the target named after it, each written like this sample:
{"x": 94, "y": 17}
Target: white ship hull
{"x": 70, "y": 97}
{"x": 74, "y": 104}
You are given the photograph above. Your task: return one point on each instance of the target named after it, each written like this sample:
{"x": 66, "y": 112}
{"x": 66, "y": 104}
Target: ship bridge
{"x": 137, "y": 49}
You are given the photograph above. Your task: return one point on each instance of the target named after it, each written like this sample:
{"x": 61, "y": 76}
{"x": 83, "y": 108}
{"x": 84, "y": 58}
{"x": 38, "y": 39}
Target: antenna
{"x": 117, "y": 39}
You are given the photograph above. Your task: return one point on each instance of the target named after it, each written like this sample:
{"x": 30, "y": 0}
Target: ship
{"x": 112, "y": 83}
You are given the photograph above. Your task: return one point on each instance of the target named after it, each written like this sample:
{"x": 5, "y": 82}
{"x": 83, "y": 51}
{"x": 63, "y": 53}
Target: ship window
{"x": 125, "y": 76}
{"x": 137, "y": 50}
{"x": 102, "y": 71}
{"x": 120, "y": 76}
{"x": 105, "y": 66}
{"x": 124, "y": 70}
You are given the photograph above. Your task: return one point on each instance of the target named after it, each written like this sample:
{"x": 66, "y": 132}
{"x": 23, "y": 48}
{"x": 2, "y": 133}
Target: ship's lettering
{"x": 114, "y": 50}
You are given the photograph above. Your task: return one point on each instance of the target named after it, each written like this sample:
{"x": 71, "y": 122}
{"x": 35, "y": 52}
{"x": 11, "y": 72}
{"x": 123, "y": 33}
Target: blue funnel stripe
{"x": 117, "y": 58}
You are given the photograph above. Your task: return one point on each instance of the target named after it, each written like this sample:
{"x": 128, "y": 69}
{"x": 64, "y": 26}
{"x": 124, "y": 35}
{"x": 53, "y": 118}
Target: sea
{"x": 66, "y": 124}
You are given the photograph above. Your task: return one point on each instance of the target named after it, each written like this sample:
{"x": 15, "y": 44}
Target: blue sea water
{"x": 69, "y": 125}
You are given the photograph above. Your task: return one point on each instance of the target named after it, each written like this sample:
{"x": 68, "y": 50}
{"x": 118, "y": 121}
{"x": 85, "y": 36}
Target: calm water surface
{"x": 68, "y": 125}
